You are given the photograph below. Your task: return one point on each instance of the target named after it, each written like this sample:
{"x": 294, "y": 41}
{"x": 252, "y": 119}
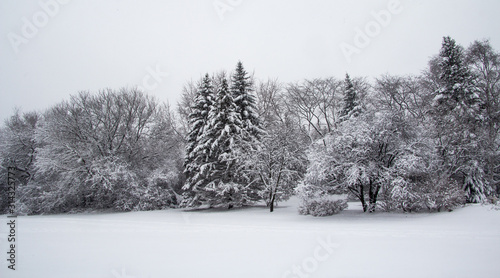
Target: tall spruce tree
{"x": 456, "y": 122}
{"x": 350, "y": 97}
{"x": 225, "y": 129}
{"x": 221, "y": 137}
{"x": 251, "y": 130}
{"x": 241, "y": 89}
{"x": 197, "y": 151}
{"x": 455, "y": 77}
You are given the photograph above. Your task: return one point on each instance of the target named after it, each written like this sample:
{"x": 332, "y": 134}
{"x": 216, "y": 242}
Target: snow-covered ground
{"x": 252, "y": 242}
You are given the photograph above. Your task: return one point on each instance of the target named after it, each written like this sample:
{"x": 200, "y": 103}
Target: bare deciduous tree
{"x": 316, "y": 103}
{"x": 109, "y": 150}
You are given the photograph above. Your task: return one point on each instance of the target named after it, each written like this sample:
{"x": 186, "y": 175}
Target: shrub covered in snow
{"x": 437, "y": 194}
{"x": 317, "y": 202}
{"x": 322, "y": 206}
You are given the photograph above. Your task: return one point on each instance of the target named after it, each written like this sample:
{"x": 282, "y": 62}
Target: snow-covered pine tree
{"x": 241, "y": 89}
{"x": 350, "y": 97}
{"x": 456, "y": 77}
{"x": 221, "y": 137}
{"x": 196, "y": 151}
{"x": 475, "y": 183}
{"x": 456, "y": 123}
{"x": 251, "y": 128}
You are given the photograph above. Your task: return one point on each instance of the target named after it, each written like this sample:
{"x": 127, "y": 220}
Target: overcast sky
{"x": 50, "y": 51}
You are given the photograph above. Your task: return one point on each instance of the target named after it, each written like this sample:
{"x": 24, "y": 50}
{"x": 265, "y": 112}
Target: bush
{"x": 434, "y": 194}
{"x": 322, "y": 206}
{"x": 451, "y": 198}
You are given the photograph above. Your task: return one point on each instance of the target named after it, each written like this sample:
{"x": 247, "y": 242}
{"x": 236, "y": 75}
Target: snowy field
{"x": 252, "y": 242}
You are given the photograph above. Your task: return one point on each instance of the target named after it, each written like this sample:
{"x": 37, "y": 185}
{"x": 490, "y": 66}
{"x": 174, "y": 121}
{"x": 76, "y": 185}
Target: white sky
{"x": 95, "y": 44}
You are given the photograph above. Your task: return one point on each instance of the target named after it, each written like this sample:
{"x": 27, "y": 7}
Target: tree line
{"x": 404, "y": 143}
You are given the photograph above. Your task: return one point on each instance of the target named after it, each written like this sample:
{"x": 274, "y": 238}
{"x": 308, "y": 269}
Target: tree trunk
{"x": 373, "y": 193}
{"x": 273, "y": 191}
{"x": 271, "y": 207}
{"x": 362, "y": 198}
{"x": 230, "y": 205}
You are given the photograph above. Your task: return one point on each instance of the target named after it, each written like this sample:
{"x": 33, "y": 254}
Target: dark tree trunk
{"x": 273, "y": 192}
{"x": 230, "y": 205}
{"x": 271, "y": 206}
{"x": 362, "y": 198}
{"x": 373, "y": 193}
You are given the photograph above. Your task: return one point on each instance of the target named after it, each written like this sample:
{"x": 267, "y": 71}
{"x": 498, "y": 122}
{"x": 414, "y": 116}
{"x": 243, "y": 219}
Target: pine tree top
{"x": 241, "y": 81}
{"x": 241, "y": 89}
{"x": 350, "y": 96}
{"x": 455, "y": 75}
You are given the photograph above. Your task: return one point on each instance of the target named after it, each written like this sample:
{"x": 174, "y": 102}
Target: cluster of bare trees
{"x": 114, "y": 149}
{"x": 422, "y": 142}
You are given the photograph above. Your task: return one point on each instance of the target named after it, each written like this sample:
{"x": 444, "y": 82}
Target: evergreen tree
{"x": 456, "y": 122}
{"x": 455, "y": 77}
{"x": 222, "y": 137}
{"x": 241, "y": 89}
{"x": 196, "y": 152}
{"x": 225, "y": 128}
{"x": 350, "y": 97}
{"x": 251, "y": 131}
